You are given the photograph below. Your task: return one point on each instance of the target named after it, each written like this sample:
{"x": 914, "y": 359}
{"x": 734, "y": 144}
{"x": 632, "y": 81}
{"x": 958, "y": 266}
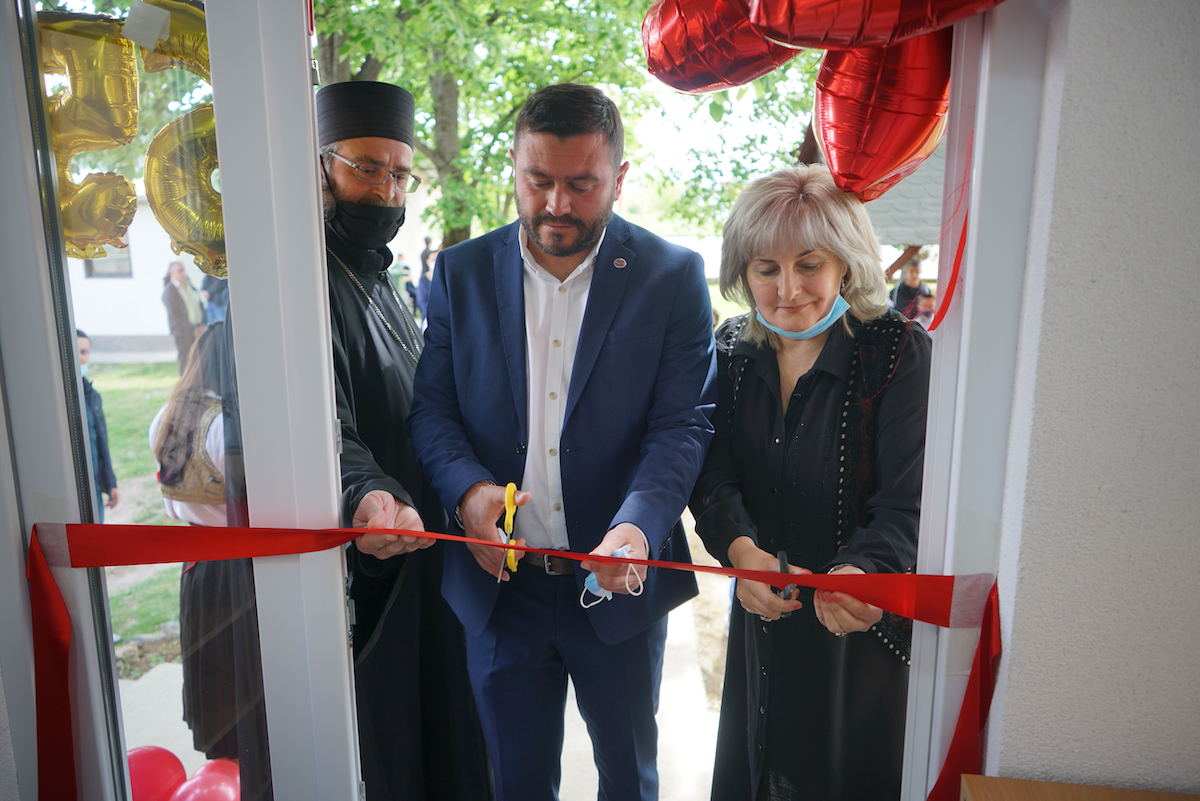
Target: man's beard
{"x": 589, "y": 232}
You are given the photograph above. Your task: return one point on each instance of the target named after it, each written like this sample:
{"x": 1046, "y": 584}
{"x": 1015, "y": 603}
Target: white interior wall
{"x": 1100, "y": 679}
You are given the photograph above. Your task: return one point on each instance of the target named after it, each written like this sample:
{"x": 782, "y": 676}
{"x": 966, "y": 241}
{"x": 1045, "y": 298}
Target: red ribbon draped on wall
{"x": 930, "y": 599}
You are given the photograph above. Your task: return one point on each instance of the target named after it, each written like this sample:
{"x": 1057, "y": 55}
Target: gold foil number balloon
{"x": 179, "y": 167}
{"x": 181, "y": 159}
{"x": 186, "y": 48}
{"x": 97, "y": 110}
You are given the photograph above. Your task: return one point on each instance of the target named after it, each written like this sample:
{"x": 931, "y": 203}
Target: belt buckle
{"x": 546, "y": 564}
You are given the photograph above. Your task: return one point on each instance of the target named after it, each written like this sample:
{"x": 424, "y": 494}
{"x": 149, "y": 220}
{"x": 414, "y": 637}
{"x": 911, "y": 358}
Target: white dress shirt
{"x": 553, "y": 317}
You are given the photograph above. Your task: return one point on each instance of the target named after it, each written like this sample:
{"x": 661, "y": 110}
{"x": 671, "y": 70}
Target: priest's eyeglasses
{"x": 375, "y": 175}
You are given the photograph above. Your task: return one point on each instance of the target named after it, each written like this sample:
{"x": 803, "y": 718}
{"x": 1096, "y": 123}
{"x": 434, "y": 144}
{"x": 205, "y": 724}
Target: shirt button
{"x": 766, "y": 630}
{"x": 558, "y": 507}
{"x": 553, "y": 396}
{"x": 774, "y": 490}
{"x": 557, "y": 344}
{"x": 764, "y": 670}
{"x": 554, "y": 451}
{"x": 777, "y": 440}
{"x": 562, "y": 289}
{"x": 762, "y": 710}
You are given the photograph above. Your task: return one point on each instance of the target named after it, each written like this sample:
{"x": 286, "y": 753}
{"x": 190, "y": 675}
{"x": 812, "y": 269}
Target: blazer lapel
{"x": 608, "y": 287}
{"x": 509, "y": 271}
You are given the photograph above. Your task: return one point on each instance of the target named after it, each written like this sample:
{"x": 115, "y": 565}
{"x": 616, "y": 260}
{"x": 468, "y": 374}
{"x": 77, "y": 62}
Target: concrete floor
{"x": 152, "y": 713}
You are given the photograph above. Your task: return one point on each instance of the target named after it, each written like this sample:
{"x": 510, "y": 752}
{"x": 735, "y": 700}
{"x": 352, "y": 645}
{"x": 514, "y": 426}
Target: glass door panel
{"x": 133, "y": 132}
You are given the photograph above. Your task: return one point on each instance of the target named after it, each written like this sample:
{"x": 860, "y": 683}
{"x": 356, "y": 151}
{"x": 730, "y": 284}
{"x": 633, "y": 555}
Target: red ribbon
{"x": 925, "y": 598}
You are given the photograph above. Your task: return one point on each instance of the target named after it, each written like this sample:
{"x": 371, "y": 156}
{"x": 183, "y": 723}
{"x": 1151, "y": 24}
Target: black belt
{"x": 553, "y": 565}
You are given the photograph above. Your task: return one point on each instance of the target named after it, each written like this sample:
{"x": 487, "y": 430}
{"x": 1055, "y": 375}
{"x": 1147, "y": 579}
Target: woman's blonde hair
{"x": 801, "y": 207}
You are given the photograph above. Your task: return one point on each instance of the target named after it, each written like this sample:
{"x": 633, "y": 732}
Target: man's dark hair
{"x": 80, "y": 335}
{"x": 572, "y": 109}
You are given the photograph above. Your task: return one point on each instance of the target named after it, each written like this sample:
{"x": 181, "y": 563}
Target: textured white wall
{"x": 1100, "y": 681}
{"x": 8, "y": 762}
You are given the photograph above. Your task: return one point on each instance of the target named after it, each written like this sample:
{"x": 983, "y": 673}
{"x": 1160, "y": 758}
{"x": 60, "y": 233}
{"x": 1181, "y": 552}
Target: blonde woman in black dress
{"x": 820, "y": 430}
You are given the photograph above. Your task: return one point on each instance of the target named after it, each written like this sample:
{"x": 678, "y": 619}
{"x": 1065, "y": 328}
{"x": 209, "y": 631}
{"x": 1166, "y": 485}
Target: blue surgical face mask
{"x": 840, "y": 307}
{"x": 590, "y": 585}
{"x": 83, "y": 369}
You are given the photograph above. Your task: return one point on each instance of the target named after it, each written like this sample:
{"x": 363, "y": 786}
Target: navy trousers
{"x": 538, "y": 635}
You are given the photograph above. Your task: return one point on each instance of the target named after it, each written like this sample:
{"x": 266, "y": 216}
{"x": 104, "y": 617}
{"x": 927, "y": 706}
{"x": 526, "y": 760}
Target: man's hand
{"x": 756, "y": 597}
{"x": 379, "y": 509}
{"x": 480, "y": 507}
{"x": 615, "y": 576}
{"x": 114, "y": 498}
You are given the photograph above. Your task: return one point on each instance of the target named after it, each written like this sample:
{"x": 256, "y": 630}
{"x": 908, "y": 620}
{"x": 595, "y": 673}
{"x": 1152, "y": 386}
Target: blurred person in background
{"x": 185, "y": 310}
{"x": 105, "y": 480}
{"x": 188, "y": 439}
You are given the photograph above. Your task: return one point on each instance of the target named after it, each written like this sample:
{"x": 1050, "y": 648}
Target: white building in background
{"x": 118, "y": 299}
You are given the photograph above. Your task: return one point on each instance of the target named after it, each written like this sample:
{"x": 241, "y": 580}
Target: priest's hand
{"x": 481, "y": 505}
{"x": 614, "y": 576}
{"x": 378, "y": 510}
{"x": 756, "y": 597}
{"x": 840, "y": 613}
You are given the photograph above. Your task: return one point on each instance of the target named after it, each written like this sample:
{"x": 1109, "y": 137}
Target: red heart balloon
{"x": 880, "y": 111}
{"x": 706, "y": 45}
{"x": 830, "y": 24}
{"x": 154, "y": 773}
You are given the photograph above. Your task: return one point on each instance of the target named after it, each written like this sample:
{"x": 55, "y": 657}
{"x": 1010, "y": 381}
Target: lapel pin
{"x": 619, "y": 263}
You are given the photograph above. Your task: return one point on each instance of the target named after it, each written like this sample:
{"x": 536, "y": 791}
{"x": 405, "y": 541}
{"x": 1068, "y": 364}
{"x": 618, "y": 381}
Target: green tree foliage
{"x": 774, "y": 112}
{"x": 471, "y": 64}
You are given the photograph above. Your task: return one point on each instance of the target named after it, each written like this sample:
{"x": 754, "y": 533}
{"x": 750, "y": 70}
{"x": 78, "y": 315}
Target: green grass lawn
{"x": 133, "y": 394}
{"x": 144, "y": 607}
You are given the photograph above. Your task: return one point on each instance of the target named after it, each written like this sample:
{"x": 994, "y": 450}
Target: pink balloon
{"x": 225, "y": 767}
{"x": 154, "y": 773}
{"x": 211, "y": 786}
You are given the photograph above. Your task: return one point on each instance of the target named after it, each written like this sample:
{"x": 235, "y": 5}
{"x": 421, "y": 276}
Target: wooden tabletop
{"x": 991, "y": 788}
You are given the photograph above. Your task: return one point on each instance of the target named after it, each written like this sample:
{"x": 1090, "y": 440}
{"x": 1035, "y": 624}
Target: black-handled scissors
{"x": 787, "y": 591}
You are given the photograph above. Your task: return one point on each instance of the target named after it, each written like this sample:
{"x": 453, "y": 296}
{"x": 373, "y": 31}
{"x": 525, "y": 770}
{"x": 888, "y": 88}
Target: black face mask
{"x": 369, "y": 226}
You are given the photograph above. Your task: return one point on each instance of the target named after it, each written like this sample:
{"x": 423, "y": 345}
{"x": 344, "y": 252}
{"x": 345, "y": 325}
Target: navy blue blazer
{"x": 637, "y": 419}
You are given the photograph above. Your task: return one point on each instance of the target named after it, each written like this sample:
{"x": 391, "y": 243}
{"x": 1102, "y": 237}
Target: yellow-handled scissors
{"x": 510, "y": 510}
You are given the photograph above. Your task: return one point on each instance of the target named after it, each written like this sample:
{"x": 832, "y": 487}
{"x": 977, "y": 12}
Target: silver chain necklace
{"x": 379, "y": 312}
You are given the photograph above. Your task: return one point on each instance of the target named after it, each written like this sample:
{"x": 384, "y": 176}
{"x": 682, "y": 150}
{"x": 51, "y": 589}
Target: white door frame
{"x": 996, "y": 104}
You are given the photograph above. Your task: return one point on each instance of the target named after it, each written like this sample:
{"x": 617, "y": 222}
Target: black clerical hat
{"x": 364, "y": 108}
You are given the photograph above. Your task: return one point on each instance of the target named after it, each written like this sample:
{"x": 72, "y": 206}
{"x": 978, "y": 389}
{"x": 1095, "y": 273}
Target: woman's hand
{"x": 756, "y": 597}
{"x": 840, "y": 613}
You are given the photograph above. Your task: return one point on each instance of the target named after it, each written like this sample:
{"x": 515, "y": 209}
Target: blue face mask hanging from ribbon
{"x": 840, "y": 307}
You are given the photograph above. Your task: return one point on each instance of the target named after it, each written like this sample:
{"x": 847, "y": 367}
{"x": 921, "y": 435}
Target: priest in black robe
{"x": 419, "y": 734}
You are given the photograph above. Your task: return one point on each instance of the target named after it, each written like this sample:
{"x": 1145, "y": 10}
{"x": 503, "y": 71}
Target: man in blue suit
{"x": 570, "y": 353}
